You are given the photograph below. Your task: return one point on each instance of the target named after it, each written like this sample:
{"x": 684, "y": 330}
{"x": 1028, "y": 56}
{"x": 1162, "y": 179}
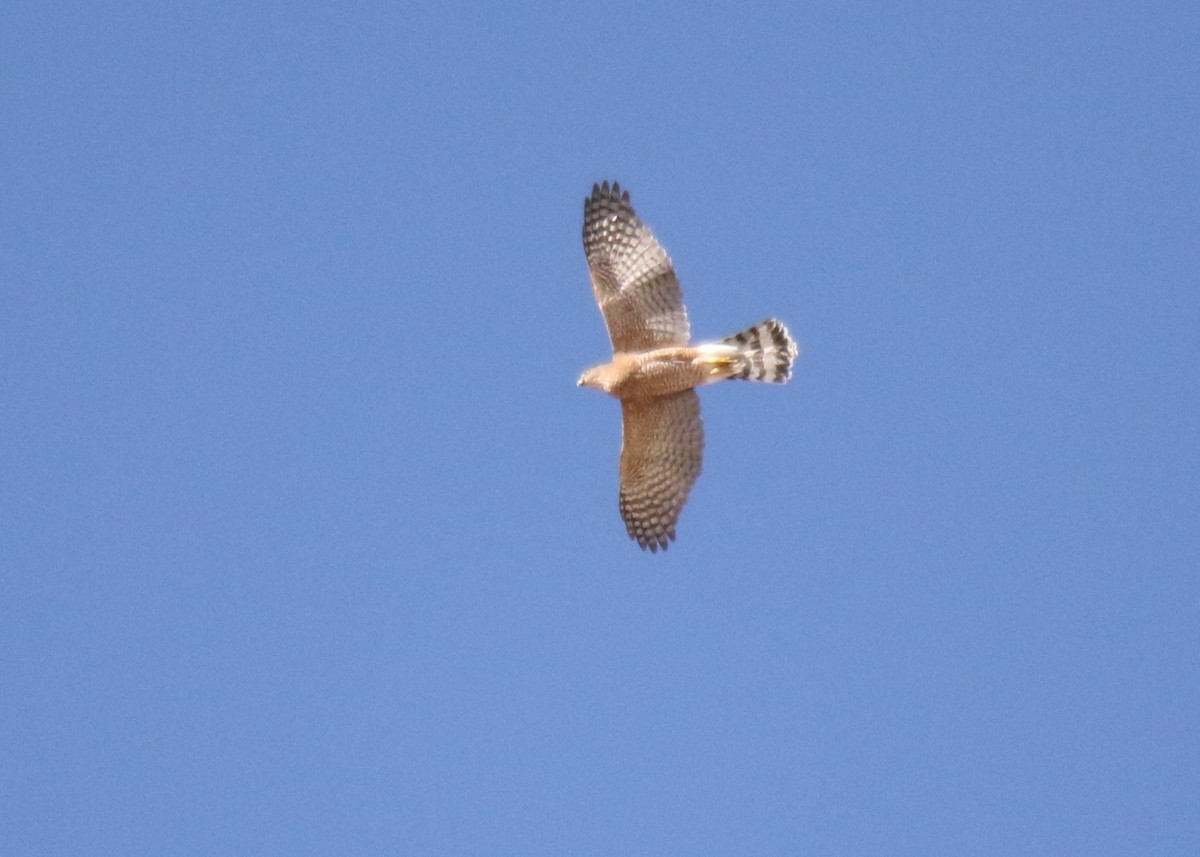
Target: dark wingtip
{"x": 653, "y": 543}
{"x": 609, "y": 190}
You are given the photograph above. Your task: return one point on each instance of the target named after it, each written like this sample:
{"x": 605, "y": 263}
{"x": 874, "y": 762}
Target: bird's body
{"x": 659, "y": 372}
{"x": 655, "y": 369}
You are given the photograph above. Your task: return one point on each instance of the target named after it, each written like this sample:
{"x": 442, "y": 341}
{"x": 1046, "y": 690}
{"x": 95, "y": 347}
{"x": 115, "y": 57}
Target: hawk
{"x": 655, "y": 369}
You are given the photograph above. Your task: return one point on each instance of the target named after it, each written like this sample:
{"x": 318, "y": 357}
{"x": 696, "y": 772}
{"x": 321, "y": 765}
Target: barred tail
{"x": 766, "y": 351}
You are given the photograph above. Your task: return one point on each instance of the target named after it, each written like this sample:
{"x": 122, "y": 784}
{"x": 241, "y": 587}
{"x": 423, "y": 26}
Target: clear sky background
{"x": 309, "y": 543}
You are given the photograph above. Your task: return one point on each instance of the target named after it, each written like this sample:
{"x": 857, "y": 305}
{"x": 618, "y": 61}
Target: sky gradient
{"x": 309, "y": 543}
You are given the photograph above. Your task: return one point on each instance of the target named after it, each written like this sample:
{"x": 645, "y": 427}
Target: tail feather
{"x": 766, "y": 351}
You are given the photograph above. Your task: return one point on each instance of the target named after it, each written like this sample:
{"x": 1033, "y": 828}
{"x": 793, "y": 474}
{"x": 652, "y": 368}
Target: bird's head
{"x": 596, "y": 378}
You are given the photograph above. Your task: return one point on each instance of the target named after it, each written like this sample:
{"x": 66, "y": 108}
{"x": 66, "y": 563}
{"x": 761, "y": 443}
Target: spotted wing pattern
{"x": 661, "y": 449}
{"x": 632, "y": 275}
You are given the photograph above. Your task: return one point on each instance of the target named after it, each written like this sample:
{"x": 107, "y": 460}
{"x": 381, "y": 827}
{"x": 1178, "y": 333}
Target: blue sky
{"x": 310, "y": 542}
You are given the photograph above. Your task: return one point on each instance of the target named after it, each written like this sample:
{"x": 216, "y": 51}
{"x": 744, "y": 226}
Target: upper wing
{"x": 661, "y": 448}
{"x": 631, "y": 274}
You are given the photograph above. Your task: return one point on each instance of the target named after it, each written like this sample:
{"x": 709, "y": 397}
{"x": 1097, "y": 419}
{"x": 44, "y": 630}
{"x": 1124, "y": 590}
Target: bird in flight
{"x": 655, "y": 368}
